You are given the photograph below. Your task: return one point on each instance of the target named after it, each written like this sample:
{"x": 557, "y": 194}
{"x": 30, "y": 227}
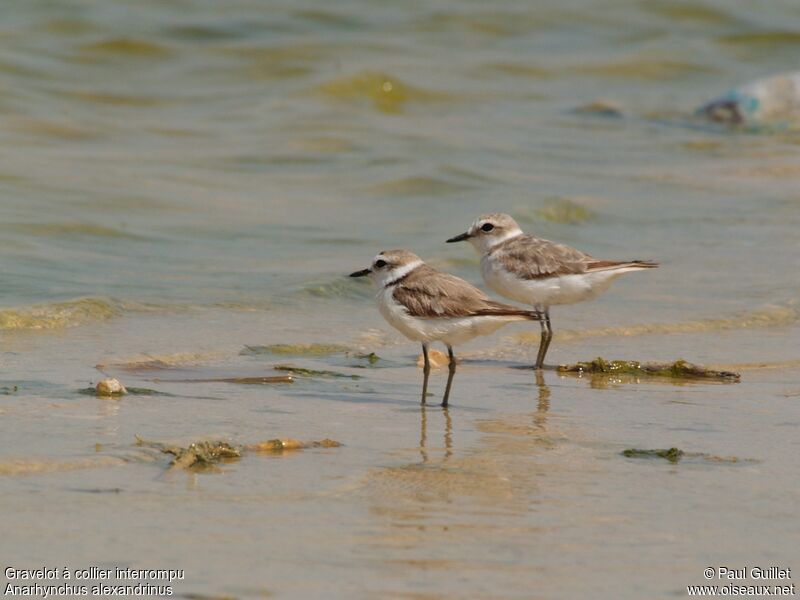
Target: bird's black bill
{"x": 362, "y": 273}
{"x": 459, "y": 238}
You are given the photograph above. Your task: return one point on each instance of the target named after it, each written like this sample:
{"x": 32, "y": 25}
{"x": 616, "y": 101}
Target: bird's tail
{"x": 505, "y": 310}
{"x": 613, "y": 265}
{"x": 645, "y": 264}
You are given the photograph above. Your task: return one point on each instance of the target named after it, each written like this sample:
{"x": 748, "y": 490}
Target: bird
{"x": 427, "y": 305}
{"x": 539, "y": 272}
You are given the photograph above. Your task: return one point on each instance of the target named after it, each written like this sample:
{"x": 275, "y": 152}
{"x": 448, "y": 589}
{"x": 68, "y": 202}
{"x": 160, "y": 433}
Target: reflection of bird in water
{"x": 423, "y": 433}
{"x": 540, "y": 416}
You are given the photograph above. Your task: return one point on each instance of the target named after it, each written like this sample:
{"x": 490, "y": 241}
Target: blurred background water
{"x": 183, "y": 178}
{"x": 190, "y": 153}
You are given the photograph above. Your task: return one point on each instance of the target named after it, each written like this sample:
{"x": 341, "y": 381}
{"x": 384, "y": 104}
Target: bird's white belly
{"x": 564, "y": 289}
{"x": 450, "y": 330}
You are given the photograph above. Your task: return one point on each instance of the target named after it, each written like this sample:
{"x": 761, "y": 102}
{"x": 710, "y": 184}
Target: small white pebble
{"x": 110, "y": 387}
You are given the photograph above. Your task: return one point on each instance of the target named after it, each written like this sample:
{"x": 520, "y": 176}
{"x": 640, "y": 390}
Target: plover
{"x": 537, "y": 271}
{"x": 426, "y": 305}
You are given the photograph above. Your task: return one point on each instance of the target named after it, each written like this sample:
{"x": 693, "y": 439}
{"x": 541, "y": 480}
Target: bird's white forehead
{"x": 391, "y": 261}
{"x": 388, "y": 258}
{"x": 499, "y": 220}
{"x": 477, "y": 223}
{"x": 396, "y": 257}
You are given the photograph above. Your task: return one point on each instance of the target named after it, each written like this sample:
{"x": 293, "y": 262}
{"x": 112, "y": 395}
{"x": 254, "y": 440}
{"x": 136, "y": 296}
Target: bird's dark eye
{"x": 379, "y": 264}
{"x": 487, "y": 227}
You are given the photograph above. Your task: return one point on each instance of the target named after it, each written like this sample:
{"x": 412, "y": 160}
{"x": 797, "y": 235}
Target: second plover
{"x": 426, "y": 305}
{"x": 537, "y": 271}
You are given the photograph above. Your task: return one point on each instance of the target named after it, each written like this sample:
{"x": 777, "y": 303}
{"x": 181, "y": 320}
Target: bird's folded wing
{"x": 428, "y": 293}
{"x": 529, "y": 257}
{"x": 498, "y": 309}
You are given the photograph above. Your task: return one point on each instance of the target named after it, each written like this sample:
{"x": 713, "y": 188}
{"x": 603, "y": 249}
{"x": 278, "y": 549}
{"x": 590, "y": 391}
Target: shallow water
{"x": 182, "y": 180}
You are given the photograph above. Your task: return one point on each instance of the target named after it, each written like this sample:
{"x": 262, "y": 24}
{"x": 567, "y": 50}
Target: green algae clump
{"x": 303, "y": 372}
{"x": 205, "y": 454}
{"x": 673, "y": 455}
{"x": 371, "y": 358}
{"x": 601, "y": 365}
{"x": 197, "y": 454}
{"x": 295, "y": 349}
{"x": 680, "y": 369}
{"x": 129, "y": 391}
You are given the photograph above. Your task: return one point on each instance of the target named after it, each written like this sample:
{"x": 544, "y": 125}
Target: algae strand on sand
{"x": 678, "y": 369}
{"x": 201, "y": 453}
{"x": 239, "y": 380}
{"x": 295, "y": 349}
{"x": 303, "y": 372}
{"x": 673, "y": 455}
{"x": 207, "y": 453}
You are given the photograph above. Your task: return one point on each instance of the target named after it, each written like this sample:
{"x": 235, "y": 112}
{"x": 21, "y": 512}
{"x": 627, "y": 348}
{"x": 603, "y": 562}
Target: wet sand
{"x": 518, "y": 490}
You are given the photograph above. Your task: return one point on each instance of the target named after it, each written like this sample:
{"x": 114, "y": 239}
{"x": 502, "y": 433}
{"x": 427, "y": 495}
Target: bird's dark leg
{"x": 426, "y": 370}
{"x": 547, "y": 335}
{"x": 542, "y": 337}
{"x": 549, "y": 330}
{"x": 451, "y": 368}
